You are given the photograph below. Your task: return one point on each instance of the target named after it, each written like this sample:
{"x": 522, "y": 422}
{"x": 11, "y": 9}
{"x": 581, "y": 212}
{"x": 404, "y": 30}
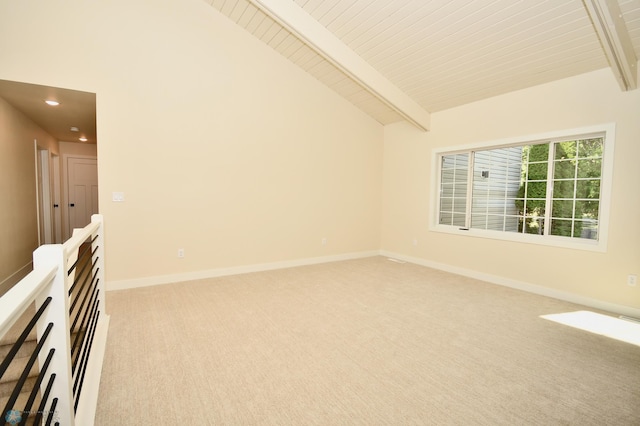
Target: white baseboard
{"x": 14, "y": 278}
{"x": 494, "y": 279}
{"x": 212, "y": 273}
{"x": 520, "y": 285}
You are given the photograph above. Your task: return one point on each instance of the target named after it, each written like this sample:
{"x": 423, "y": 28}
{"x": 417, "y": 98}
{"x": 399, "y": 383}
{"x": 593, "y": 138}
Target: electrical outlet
{"x": 180, "y": 253}
{"x": 632, "y": 280}
{"x": 323, "y": 241}
{"x": 415, "y": 241}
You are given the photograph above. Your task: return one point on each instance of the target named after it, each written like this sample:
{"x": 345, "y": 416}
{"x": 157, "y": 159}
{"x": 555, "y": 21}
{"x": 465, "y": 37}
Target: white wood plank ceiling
{"x": 402, "y": 59}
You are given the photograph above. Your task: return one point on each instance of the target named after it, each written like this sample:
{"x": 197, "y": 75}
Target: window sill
{"x": 545, "y": 240}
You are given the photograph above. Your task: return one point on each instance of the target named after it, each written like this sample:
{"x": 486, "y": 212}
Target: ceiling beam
{"x": 606, "y": 17}
{"x": 326, "y": 44}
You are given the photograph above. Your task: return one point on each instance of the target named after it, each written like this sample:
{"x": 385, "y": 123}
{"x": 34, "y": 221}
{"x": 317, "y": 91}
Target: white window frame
{"x": 608, "y": 132}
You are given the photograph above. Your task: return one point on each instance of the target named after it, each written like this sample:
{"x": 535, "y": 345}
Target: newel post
{"x": 59, "y": 338}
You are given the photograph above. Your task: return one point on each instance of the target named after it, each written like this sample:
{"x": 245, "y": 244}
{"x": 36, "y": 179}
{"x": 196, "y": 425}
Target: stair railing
{"x": 67, "y": 286}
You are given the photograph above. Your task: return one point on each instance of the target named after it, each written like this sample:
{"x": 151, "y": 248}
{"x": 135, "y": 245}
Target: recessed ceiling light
{"x": 52, "y": 103}
{"x": 74, "y": 129}
{"x": 83, "y": 139}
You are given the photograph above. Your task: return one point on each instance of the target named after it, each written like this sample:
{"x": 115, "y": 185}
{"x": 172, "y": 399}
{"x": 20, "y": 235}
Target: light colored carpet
{"x": 359, "y": 342}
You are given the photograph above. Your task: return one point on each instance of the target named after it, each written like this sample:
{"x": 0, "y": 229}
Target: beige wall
{"x": 582, "y": 101}
{"x": 221, "y": 146}
{"x": 79, "y": 149}
{"x": 18, "y": 208}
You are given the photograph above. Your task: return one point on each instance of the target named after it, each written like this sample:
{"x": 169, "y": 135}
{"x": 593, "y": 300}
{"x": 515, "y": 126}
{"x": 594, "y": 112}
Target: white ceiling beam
{"x": 606, "y": 17}
{"x": 326, "y": 44}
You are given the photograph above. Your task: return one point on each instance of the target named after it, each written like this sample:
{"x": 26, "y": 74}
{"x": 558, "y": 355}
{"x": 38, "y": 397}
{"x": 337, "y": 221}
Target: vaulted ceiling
{"x": 404, "y": 59}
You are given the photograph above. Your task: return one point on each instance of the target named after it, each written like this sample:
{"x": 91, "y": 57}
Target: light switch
{"x": 118, "y": 196}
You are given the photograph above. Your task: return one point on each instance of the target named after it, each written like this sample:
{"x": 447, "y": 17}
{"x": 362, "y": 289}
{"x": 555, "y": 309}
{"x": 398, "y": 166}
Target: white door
{"x": 83, "y": 191}
{"x": 45, "y": 212}
{"x": 57, "y": 200}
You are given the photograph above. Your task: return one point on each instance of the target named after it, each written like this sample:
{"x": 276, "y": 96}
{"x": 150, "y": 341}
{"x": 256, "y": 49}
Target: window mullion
{"x": 548, "y": 205}
{"x": 467, "y": 218}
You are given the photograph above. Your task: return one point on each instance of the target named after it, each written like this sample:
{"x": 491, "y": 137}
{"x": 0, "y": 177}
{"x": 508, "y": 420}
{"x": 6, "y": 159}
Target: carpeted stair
{"x": 17, "y": 366}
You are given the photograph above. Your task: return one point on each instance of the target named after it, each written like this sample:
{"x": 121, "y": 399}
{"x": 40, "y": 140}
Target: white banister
{"x": 51, "y": 278}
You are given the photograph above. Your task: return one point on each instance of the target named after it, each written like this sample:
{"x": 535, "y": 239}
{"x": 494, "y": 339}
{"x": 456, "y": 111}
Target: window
{"x": 546, "y": 190}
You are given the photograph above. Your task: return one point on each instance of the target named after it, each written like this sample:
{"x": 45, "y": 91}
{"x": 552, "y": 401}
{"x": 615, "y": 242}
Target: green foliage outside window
{"x": 577, "y": 167}
{"x": 533, "y": 189}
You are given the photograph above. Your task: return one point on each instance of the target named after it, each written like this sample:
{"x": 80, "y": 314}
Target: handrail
{"x": 16, "y": 301}
{"x": 79, "y": 236}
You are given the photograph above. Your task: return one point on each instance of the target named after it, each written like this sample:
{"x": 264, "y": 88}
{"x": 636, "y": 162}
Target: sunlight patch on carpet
{"x": 615, "y": 328}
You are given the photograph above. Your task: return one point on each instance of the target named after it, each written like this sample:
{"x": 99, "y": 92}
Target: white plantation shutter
{"x": 496, "y": 180}
{"x": 453, "y": 189}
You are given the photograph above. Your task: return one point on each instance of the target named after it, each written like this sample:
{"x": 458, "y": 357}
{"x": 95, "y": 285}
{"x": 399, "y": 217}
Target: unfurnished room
{"x": 320, "y": 212}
